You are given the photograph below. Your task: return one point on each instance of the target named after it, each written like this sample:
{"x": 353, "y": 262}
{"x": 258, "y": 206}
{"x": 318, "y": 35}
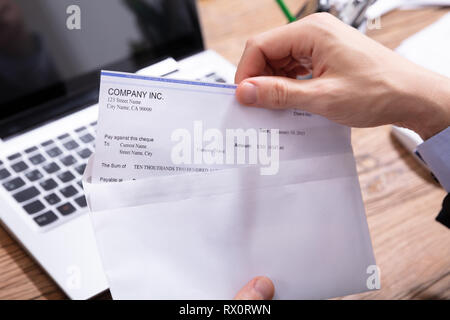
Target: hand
{"x": 355, "y": 80}
{"x": 259, "y": 288}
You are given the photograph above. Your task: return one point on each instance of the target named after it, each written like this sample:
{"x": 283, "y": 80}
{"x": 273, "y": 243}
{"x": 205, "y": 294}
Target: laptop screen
{"x": 51, "y": 51}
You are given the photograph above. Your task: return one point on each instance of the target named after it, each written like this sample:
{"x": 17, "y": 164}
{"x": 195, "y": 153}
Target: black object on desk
{"x": 444, "y": 215}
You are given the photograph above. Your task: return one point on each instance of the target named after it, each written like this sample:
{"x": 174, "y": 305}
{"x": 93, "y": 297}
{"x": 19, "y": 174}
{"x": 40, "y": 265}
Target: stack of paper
{"x": 284, "y": 203}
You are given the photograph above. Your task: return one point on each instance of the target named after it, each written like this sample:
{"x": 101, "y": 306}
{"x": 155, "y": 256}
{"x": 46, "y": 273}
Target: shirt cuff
{"x": 436, "y": 154}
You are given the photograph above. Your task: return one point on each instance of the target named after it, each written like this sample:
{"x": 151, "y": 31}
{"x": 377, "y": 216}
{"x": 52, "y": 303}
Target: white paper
{"x": 430, "y": 47}
{"x": 203, "y": 235}
{"x": 381, "y": 7}
{"x": 184, "y": 104}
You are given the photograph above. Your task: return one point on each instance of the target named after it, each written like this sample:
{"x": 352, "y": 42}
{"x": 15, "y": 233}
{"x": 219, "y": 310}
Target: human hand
{"x": 355, "y": 80}
{"x": 259, "y": 288}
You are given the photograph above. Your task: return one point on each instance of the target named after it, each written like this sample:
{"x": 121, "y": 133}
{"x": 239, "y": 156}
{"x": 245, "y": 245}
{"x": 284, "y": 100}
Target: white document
{"x": 430, "y": 47}
{"x": 382, "y": 7}
{"x": 139, "y": 116}
{"x": 185, "y": 231}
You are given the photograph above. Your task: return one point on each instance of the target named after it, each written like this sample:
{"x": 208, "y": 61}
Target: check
{"x": 156, "y": 126}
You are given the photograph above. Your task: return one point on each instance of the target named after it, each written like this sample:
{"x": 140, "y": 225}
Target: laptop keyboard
{"x": 46, "y": 178}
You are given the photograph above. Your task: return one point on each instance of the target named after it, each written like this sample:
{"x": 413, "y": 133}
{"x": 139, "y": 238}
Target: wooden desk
{"x": 412, "y": 250}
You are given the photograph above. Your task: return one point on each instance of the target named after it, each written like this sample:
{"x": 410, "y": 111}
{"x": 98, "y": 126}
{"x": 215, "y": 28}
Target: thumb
{"x": 259, "y": 288}
{"x": 276, "y": 92}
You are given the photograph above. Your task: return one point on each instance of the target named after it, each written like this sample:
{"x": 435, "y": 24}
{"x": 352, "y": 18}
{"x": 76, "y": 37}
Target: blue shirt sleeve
{"x": 436, "y": 154}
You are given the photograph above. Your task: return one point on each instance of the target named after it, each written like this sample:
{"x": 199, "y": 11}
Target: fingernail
{"x": 248, "y": 93}
{"x": 264, "y": 287}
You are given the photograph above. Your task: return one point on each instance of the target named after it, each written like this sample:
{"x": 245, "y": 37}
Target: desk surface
{"x": 411, "y": 249}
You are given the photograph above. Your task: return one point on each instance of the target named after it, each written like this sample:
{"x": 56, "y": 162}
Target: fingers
{"x": 295, "y": 41}
{"x": 277, "y": 92}
{"x": 259, "y": 288}
{"x": 279, "y": 46}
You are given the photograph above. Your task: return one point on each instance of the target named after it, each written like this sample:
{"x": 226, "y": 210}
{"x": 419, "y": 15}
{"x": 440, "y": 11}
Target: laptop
{"x": 51, "y": 54}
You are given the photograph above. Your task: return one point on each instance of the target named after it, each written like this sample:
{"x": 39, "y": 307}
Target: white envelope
{"x": 203, "y": 236}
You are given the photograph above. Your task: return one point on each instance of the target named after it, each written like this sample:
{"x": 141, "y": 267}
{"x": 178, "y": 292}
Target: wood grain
{"x": 401, "y": 199}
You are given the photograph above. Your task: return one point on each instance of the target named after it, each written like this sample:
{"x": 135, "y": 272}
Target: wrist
{"x": 427, "y": 104}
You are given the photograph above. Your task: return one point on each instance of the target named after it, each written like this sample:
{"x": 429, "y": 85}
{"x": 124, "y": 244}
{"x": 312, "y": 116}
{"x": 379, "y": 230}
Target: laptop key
{"x": 48, "y": 184}
{"x": 80, "y": 169}
{"x": 80, "y": 183}
{"x": 34, "y": 207}
{"x": 63, "y": 136}
{"x": 26, "y": 194}
{"x": 68, "y": 191}
{"x": 37, "y": 159}
{"x": 14, "y": 184}
{"x": 52, "y": 199}
{"x": 68, "y": 160}
{"x": 81, "y": 201}
{"x": 51, "y": 167}
{"x": 70, "y": 145}
{"x": 66, "y": 209}
{"x": 46, "y": 218}
{"x": 85, "y": 153}
{"x": 34, "y": 175}
{"x": 80, "y": 129}
{"x": 220, "y": 80}
{"x": 4, "y": 174}
{"x": 30, "y": 150}
{"x": 54, "y": 152}
{"x": 46, "y": 143}
{"x": 66, "y": 176}
{"x": 87, "y": 138}
{"x": 14, "y": 156}
{"x": 19, "y": 166}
